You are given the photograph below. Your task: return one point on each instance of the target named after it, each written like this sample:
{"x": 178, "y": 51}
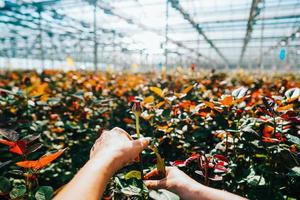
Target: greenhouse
{"x": 150, "y": 33}
{"x": 149, "y": 99}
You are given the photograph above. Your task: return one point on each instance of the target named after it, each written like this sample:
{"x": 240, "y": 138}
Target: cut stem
{"x": 137, "y": 125}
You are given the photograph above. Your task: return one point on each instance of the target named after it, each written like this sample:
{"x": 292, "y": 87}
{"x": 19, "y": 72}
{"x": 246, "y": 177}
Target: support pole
{"x": 95, "y": 37}
{"x": 27, "y": 50}
{"x": 166, "y": 33}
{"x": 41, "y": 38}
{"x": 260, "y": 63}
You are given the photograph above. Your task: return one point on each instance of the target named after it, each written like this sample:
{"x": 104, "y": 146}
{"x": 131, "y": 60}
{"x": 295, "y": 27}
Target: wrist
{"x": 104, "y": 160}
{"x": 188, "y": 188}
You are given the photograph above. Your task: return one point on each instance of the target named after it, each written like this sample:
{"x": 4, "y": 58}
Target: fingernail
{"x": 146, "y": 140}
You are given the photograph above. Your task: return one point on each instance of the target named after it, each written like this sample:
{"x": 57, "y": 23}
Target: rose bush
{"x": 238, "y": 132}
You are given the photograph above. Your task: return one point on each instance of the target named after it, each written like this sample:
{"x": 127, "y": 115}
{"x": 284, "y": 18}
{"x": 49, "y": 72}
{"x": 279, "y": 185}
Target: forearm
{"x": 194, "y": 190}
{"x": 89, "y": 183}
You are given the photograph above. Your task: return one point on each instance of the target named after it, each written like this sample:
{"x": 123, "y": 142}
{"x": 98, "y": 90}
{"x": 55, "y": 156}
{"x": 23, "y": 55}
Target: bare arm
{"x": 187, "y": 188}
{"x": 111, "y": 151}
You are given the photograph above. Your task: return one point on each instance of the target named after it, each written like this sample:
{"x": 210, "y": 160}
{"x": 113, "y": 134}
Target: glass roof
{"x": 217, "y": 33}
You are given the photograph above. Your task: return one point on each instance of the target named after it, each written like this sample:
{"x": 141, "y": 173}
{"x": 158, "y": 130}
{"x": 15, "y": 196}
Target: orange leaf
{"x": 157, "y": 91}
{"x": 268, "y": 131}
{"x": 285, "y": 108}
{"x": 227, "y": 101}
{"x": 269, "y": 140}
{"x": 41, "y": 162}
{"x": 209, "y": 104}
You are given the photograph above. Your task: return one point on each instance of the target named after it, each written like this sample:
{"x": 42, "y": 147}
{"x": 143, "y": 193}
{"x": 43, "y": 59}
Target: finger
{"x": 92, "y": 151}
{"x": 140, "y": 144}
{"x": 122, "y": 132}
{"x": 156, "y": 184}
{"x": 151, "y": 174}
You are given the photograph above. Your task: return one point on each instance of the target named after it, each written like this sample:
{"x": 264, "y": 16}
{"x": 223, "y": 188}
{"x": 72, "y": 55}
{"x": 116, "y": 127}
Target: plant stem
{"x": 205, "y": 171}
{"x": 274, "y": 125}
{"x": 226, "y": 143}
{"x": 137, "y": 128}
{"x": 137, "y": 125}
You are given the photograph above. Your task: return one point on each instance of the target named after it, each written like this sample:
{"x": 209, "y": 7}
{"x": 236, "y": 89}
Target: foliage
{"x": 235, "y": 132}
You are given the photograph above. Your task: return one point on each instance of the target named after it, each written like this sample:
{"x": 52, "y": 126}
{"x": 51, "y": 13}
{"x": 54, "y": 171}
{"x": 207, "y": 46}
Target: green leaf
{"x": 239, "y": 92}
{"x": 261, "y": 156}
{"x": 131, "y": 191}
{"x": 256, "y": 180}
{"x": 3, "y": 164}
{"x": 295, "y": 171}
{"x": 44, "y": 193}
{"x": 4, "y": 185}
{"x": 166, "y": 113}
{"x": 293, "y": 139}
{"x": 292, "y": 93}
{"x": 163, "y": 195}
{"x": 17, "y": 191}
{"x": 34, "y": 148}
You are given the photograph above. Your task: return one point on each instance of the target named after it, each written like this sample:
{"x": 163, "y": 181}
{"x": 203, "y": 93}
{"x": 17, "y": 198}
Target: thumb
{"x": 140, "y": 144}
{"x": 156, "y": 184}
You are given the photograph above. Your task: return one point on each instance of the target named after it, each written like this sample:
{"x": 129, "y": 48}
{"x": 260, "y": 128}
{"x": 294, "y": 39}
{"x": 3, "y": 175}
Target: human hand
{"x": 176, "y": 181}
{"x": 118, "y": 147}
{"x": 188, "y": 189}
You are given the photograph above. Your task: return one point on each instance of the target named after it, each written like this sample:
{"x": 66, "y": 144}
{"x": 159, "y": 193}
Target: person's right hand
{"x": 176, "y": 181}
{"x": 187, "y": 188}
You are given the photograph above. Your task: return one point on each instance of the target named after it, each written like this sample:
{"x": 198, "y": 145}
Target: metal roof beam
{"x": 175, "y": 4}
{"x": 109, "y": 10}
{"x": 254, "y": 12}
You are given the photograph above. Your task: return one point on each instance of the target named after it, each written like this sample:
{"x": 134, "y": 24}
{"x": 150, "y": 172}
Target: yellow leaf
{"x": 189, "y": 88}
{"x": 160, "y": 104}
{"x": 133, "y": 174}
{"x": 13, "y": 110}
{"x": 147, "y": 117}
{"x": 179, "y": 95}
{"x": 285, "y": 108}
{"x": 149, "y": 99}
{"x": 165, "y": 128}
{"x": 160, "y": 163}
{"x": 157, "y": 91}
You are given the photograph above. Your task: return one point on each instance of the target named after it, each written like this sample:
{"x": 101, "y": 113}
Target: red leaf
{"x": 179, "y": 163}
{"x": 191, "y": 158}
{"x": 18, "y": 147}
{"x": 130, "y": 99}
{"x": 221, "y": 157}
{"x": 220, "y": 167}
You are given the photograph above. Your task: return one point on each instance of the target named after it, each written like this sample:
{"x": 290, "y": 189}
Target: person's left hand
{"x": 117, "y": 146}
